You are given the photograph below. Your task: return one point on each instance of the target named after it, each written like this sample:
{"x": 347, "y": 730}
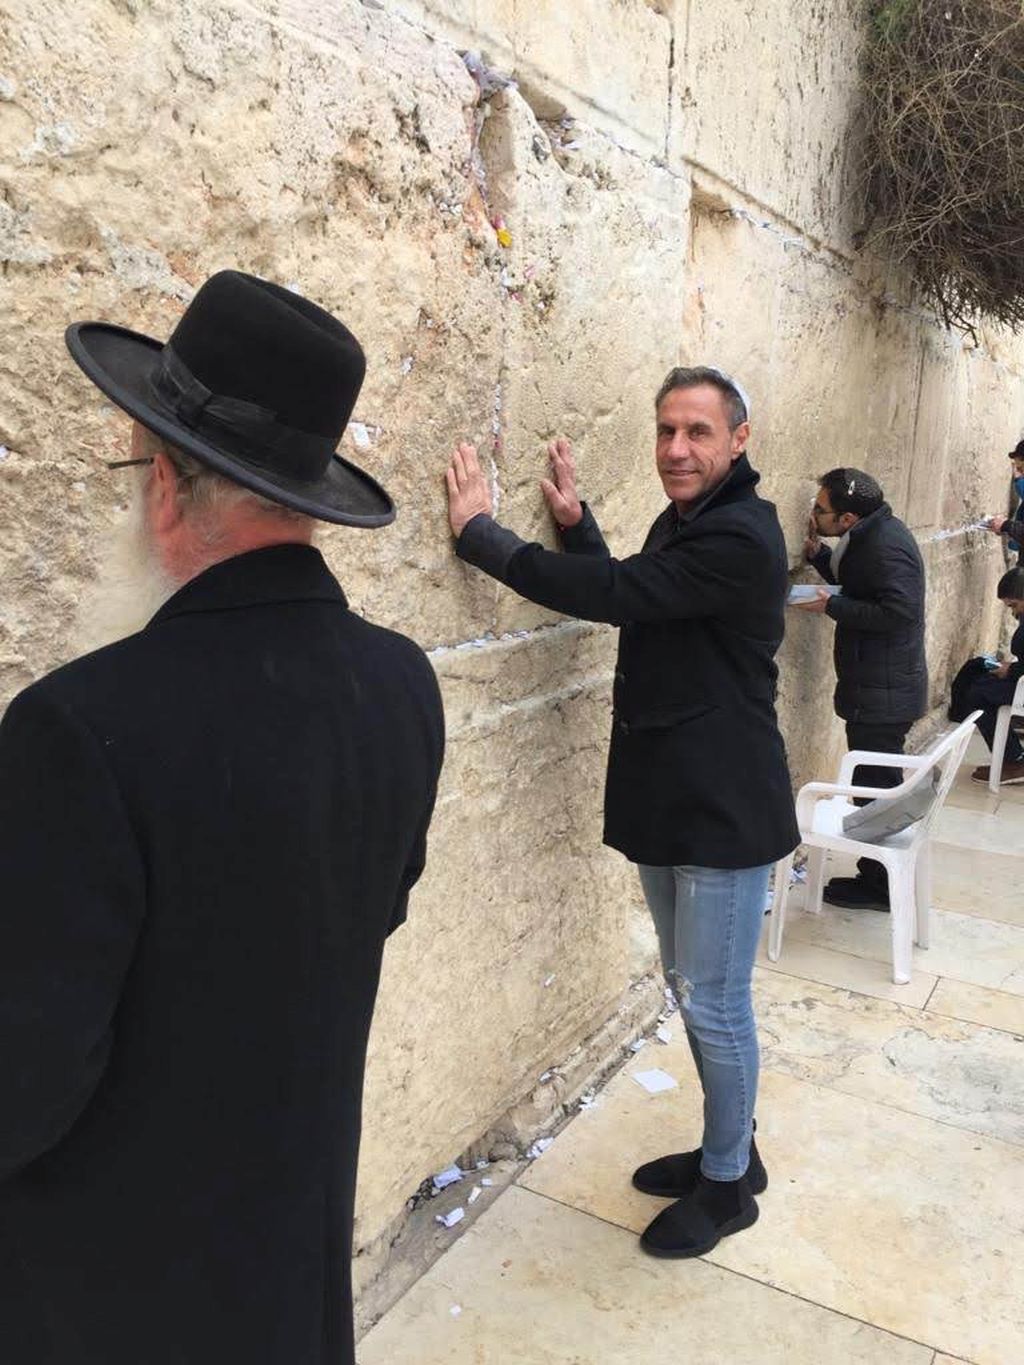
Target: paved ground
{"x": 891, "y": 1121}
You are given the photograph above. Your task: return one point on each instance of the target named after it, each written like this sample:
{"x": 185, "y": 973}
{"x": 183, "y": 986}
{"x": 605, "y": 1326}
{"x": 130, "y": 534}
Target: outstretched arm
{"x": 705, "y": 575}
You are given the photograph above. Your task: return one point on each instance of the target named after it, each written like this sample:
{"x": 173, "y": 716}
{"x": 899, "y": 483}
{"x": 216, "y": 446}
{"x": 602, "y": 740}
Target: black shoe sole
{"x": 746, "y": 1219}
{"x": 680, "y": 1192}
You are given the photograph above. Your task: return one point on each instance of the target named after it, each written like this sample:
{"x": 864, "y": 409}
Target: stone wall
{"x": 677, "y": 180}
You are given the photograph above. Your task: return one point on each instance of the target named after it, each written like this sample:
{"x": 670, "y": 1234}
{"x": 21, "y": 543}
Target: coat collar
{"x": 278, "y": 573}
{"x": 872, "y": 520}
{"x": 741, "y": 479}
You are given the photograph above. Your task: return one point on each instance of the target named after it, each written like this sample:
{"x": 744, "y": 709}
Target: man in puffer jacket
{"x": 881, "y": 673}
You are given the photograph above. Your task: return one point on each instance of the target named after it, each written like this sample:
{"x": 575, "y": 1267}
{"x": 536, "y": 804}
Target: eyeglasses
{"x": 126, "y": 464}
{"x": 817, "y": 512}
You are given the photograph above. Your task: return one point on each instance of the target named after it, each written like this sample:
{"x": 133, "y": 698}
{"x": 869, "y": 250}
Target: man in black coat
{"x": 698, "y": 791}
{"x": 207, "y": 831}
{"x": 881, "y": 672}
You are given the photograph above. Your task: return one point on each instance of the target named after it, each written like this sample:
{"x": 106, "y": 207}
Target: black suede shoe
{"x": 854, "y": 893}
{"x": 673, "y": 1177}
{"x": 695, "y": 1225}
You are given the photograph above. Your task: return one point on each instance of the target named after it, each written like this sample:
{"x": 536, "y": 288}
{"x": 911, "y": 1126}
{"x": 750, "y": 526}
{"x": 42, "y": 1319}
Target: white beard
{"x": 131, "y": 584}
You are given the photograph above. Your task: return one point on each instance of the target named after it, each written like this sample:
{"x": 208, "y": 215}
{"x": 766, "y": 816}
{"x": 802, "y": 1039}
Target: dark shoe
{"x": 695, "y": 1225}
{"x": 1011, "y": 775}
{"x": 674, "y": 1177}
{"x": 854, "y": 893}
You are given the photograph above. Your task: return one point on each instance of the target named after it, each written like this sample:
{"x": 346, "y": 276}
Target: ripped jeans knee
{"x": 681, "y": 989}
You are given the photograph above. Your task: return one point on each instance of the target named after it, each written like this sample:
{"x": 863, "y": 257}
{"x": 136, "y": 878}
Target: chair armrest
{"x": 856, "y": 757}
{"x": 813, "y": 792}
{"x": 1018, "y": 696}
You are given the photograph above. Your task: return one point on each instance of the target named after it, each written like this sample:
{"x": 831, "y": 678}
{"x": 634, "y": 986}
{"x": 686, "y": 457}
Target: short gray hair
{"x": 689, "y": 377}
{"x": 208, "y": 490}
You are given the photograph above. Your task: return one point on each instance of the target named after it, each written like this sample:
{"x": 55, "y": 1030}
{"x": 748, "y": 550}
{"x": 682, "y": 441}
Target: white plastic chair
{"x": 820, "y": 809}
{"x": 1002, "y": 734}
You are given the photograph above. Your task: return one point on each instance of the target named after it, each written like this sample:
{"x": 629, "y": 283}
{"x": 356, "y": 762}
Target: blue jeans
{"x": 708, "y": 922}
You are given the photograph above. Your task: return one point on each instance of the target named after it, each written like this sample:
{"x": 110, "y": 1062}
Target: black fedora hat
{"x": 255, "y": 382}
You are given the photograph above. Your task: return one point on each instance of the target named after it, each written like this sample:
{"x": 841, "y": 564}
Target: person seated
{"x": 995, "y": 687}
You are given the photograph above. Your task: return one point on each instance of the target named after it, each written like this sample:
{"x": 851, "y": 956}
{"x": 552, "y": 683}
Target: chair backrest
{"x": 946, "y": 757}
{"x": 926, "y": 789}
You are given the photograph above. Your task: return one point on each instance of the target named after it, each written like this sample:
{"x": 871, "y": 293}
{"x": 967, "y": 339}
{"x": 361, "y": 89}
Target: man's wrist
{"x": 469, "y": 521}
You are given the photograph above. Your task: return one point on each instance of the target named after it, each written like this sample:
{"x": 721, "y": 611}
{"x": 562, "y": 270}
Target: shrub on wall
{"x": 945, "y": 149}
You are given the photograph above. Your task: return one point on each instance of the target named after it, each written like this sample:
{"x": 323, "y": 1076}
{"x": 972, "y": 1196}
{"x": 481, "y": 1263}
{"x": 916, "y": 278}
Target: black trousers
{"x": 989, "y": 694}
{"x": 889, "y": 737}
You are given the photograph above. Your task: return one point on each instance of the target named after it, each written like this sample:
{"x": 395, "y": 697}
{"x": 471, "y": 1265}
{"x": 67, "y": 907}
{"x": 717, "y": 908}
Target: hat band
{"x": 268, "y": 444}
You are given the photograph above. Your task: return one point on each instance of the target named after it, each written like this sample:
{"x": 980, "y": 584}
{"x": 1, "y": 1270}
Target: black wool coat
{"x": 881, "y": 672}
{"x": 207, "y": 831}
{"x": 697, "y": 769}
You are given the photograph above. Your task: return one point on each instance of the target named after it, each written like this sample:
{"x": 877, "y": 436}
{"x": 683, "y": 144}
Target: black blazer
{"x": 881, "y": 672}
{"x": 697, "y": 769}
{"x": 206, "y": 833}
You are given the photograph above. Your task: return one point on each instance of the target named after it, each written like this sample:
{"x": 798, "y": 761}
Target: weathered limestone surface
{"x": 675, "y": 179}
{"x": 765, "y": 98}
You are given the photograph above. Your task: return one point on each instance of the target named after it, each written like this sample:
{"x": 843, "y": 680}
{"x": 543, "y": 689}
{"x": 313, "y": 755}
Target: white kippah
{"x": 735, "y": 384}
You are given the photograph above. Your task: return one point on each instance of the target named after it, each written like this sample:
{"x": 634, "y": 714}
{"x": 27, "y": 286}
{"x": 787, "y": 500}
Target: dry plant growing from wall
{"x": 945, "y": 147}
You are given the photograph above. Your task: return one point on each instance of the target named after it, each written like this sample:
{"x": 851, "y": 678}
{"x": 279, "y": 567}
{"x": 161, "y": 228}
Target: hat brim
{"x": 121, "y": 363}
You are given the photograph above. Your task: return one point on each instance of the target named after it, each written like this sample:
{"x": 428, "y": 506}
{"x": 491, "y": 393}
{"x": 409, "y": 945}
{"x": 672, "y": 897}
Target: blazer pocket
{"x": 668, "y": 717}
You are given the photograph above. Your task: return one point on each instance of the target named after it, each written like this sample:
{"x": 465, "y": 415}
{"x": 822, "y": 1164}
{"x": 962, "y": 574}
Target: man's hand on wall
{"x": 468, "y": 491}
{"x": 812, "y": 545}
{"x": 996, "y": 524}
{"x": 560, "y": 490}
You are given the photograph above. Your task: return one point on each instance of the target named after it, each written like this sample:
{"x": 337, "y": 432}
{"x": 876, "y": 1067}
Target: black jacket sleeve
{"x": 73, "y": 900}
{"x": 705, "y": 573}
{"x": 897, "y": 601}
{"x": 585, "y": 537}
{"x": 822, "y": 561}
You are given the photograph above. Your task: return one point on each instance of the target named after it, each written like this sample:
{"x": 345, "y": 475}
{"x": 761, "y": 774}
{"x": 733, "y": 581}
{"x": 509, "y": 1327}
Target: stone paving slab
{"x": 536, "y": 1283}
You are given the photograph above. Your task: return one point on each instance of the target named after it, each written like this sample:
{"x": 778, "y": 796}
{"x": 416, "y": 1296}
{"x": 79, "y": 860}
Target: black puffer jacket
{"x": 881, "y": 673}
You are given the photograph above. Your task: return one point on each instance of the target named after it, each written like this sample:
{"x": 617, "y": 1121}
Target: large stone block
{"x": 341, "y": 163}
{"x": 607, "y": 64}
{"x": 580, "y": 360}
{"x": 766, "y": 98}
{"x": 516, "y": 945}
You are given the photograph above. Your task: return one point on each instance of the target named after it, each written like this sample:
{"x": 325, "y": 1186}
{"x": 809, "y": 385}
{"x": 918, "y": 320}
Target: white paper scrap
{"x": 482, "y": 1164}
{"x": 450, "y": 1219}
{"x": 455, "y": 1309}
{"x": 362, "y": 435}
{"x": 539, "y": 1148}
{"x": 474, "y": 1194}
{"x": 545, "y": 1078}
{"x": 548, "y": 980}
{"x": 449, "y": 1177}
{"x": 654, "y": 1082}
{"x": 663, "y": 1034}
{"x": 487, "y": 1181}
{"x": 636, "y": 1046}
{"x": 807, "y": 592}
